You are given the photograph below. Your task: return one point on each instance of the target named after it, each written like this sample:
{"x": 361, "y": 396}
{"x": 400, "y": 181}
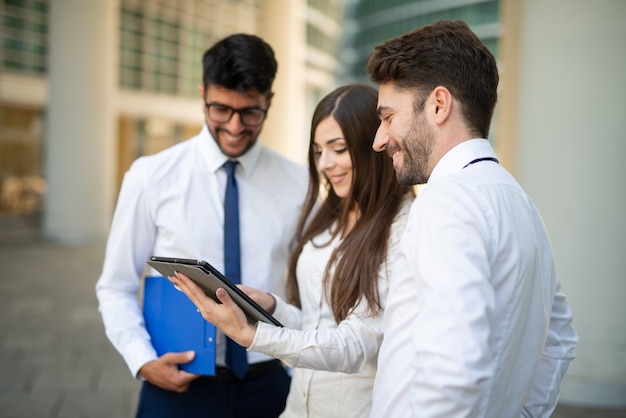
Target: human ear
{"x": 442, "y": 101}
{"x": 268, "y": 101}
{"x": 201, "y": 91}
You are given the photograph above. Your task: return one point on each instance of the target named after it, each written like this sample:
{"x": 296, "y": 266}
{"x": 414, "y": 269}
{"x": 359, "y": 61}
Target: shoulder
{"x": 164, "y": 163}
{"x": 282, "y": 162}
{"x": 400, "y": 220}
{"x": 403, "y": 211}
{"x": 165, "y": 170}
{"x": 283, "y": 169}
{"x": 467, "y": 190}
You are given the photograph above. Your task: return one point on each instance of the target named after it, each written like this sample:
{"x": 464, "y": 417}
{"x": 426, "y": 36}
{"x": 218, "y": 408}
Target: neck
{"x": 353, "y": 216}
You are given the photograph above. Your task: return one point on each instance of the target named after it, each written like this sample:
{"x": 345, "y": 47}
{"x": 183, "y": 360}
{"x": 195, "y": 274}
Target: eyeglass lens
{"x": 222, "y": 113}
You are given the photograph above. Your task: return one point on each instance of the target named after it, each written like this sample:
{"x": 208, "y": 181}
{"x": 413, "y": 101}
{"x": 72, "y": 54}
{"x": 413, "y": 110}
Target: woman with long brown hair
{"x": 338, "y": 274}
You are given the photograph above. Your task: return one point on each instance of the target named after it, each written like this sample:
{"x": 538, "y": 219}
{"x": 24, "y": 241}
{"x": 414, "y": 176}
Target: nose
{"x": 381, "y": 139}
{"x": 325, "y": 161}
{"x": 235, "y": 124}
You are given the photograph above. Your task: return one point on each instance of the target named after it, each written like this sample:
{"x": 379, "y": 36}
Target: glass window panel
{"x": 169, "y": 39}
{"x": 478, "y": 13}
{"x": 23, "y": 33}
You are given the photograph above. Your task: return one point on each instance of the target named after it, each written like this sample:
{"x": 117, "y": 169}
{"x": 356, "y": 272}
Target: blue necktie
{"x": 236, "y": 357}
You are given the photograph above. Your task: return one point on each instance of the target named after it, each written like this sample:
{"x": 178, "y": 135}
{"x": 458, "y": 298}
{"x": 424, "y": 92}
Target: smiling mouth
{"x": 233, "y": 138}
{"x": 393, "y": 152}
{"x": 336, "y": 179}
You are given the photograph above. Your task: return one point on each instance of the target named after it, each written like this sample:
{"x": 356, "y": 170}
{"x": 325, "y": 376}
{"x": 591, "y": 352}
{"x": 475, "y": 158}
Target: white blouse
{"x": 334, "y": 363}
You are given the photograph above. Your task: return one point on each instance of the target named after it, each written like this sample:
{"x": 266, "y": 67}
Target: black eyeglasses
{"x": 221, "y": 113}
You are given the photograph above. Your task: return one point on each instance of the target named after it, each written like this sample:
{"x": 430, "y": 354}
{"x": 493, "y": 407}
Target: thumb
{"x": 227, "y": 300}
{"x": 223, "y": 296}
{"x": 180, "y": 358}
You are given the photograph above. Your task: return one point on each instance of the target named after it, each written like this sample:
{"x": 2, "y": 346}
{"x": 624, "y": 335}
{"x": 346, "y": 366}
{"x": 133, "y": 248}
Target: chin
{"x": 340, "y": 192}
{"x": 234, "y": 151}
{"x": 404, "y": 178}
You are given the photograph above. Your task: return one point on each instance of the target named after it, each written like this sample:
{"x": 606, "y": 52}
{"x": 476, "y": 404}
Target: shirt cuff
{"x": 137, "y": 354}
{"x": 286, "y": 314}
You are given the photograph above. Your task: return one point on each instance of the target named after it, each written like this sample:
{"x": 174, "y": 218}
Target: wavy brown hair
{"x": 374, "y": 192}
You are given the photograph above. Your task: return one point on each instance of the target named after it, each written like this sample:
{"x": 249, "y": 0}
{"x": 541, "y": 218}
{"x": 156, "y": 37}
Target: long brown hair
{"x": 374, "y": 191}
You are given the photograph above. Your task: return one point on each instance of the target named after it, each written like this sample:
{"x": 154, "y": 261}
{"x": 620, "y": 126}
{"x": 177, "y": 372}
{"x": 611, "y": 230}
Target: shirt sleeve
{"x": 288, "y": 315}
{"x": 346, "y": 348}
{"x": 558, "y": 353}
{"x": 130, "y": 243}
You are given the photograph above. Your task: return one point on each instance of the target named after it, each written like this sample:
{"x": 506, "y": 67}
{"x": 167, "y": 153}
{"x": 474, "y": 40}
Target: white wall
{"x": 571, "y": 158}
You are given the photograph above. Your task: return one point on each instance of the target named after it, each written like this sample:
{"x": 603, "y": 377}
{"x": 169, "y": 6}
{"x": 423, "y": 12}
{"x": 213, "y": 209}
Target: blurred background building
{"x": 87, "y": 86}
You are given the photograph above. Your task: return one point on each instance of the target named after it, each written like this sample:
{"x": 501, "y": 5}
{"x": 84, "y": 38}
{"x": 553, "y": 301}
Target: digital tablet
{"x": 210, "y": 279}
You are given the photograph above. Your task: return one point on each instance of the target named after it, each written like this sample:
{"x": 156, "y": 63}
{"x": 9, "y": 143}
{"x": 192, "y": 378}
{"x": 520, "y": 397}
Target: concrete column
{"x": 571, "y": 119}
{"x": 507, "y": 113}
{"x": 283, "y": 26}
{"x": 80, "y": 139}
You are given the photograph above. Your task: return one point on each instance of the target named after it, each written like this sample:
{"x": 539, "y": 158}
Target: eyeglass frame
{"x": 233, "y": 111}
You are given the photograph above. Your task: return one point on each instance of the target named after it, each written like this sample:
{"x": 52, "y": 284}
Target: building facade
{"x": 149, "y": 83}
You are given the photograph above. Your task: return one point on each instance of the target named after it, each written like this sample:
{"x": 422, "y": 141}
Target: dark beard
{"x": 417, "y": 146}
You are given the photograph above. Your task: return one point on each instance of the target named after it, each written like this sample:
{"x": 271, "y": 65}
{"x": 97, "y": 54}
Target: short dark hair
{"x": 446, "y": 53}
{"x": 240, "y": 62}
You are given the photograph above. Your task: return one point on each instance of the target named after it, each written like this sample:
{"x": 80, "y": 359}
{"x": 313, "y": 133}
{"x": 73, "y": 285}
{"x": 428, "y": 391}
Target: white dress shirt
{"x": 475, "y": 324}
{"x": 334, "y": 363}
{"x": 171, "y": 205}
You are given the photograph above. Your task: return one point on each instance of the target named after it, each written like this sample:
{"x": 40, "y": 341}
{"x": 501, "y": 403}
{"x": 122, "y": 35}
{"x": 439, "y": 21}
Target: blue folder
{"x": 175, "y": 325}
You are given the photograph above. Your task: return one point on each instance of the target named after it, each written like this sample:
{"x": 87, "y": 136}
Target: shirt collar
{"x": 215, "y": 158}
{"x": 455, "y": 159}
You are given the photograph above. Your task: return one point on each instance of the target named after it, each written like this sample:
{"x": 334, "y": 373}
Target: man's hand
{"x": 263, "y": 299}
{"x": 164, "y": 372}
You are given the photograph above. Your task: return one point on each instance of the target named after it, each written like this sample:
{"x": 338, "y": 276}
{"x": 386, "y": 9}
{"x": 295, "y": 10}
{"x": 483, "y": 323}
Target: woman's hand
{"x": 227, "y": 316}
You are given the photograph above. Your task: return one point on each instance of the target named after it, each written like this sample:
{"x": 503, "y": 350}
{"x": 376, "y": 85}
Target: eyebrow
{"x": 330, "y": 141}
{"x": 213, "y": 102}
{"x": 381, "y": 109}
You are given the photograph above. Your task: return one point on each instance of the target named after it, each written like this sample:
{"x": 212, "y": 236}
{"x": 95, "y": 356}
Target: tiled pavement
{"x": 55, "y": 360}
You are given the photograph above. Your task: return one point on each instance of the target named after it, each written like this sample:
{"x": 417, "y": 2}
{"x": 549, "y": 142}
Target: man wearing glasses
{"x": 172, "y": 204}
